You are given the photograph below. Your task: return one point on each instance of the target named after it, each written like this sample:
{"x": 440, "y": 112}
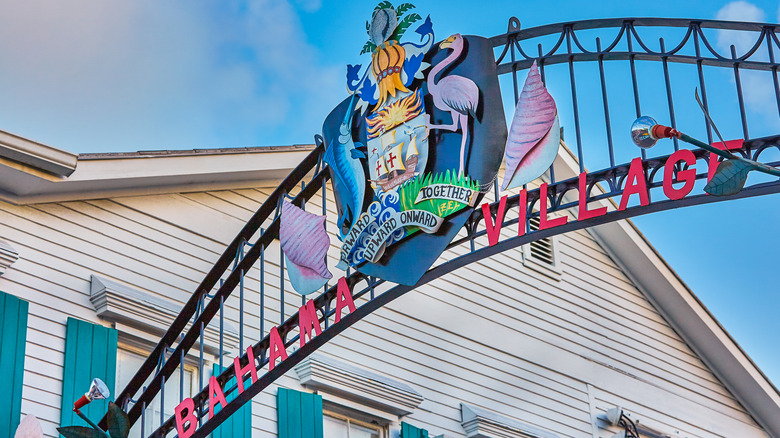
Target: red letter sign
{"x": 583, "y": 212}
{"x": 276, "y": 348}
{"x": 635, "y": 184}
{"x": 688, "y": 175}
{"x": 522, "y": 201}
{"x": 343, "y": 298}
{"x": 493, "y": 231}
{"x": 241, "y": 372}
{"x": 185, "y": 416}
{"x": 215, "y": 395}
{"x": 545, "y": 223}
{"x": 307, "y": 317}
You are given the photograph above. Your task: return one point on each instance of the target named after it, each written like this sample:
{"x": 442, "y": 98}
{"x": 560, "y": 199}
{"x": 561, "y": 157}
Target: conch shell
{"x": 305, "y": 245}
{"x": 534, "y": 136}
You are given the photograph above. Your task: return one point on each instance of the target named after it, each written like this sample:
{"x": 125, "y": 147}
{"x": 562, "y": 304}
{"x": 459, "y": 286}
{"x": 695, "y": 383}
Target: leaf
{"x": 383, "y": 5}
{"x": 368, "y": 28}
{"x": 368, "y": 47}
{"x": 402, "y": 8}
{"x": 79, "y": 432}
{"x": 729, "y": 178}
{"x": 403, "y": 25}
{"x": 118, "y": 421}
{"x": 534, "y": 137}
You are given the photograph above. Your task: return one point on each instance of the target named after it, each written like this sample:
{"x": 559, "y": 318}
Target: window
{"x": 341, "y": 426}
{"x": 128, "y": 363}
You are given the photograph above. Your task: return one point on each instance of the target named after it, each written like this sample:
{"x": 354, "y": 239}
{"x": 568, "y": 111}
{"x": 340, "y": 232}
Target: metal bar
{"x": 602, "y": 23}
{"x": 771, "y": 49}
{"x": 262, "y": 290}
{"x": 143, "y": 417}
{"x": 669, "y": 99}
{"x": 281, "y": 284}
{"x": 703, "y": 87}
{"x": 605, "y": 103}
{"x": 181, "y": 376}
{"x": 200, "y": 362}
{"x": 564, "y": 58}
{"x": 207, "y": 284}
{"x": 222, "y": 330}
{"x": 739, "y": 94}
{"x": 162, "y": 402}
{"x": 514, "y": 71}
{"x": 635, "y": 83}
{"x": 574, "y": 102}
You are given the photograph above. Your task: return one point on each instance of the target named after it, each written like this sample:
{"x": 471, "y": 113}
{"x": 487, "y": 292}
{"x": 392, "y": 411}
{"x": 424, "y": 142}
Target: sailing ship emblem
{"x": 397, "y": 141}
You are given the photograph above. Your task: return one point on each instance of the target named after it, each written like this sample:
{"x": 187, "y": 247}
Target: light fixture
{"x": 97, "y": 391}
{"x": 616, "y": 417}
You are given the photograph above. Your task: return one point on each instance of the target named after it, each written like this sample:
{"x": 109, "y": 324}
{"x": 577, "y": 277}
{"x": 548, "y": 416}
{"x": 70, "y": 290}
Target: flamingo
{"x": 455, "y": 94}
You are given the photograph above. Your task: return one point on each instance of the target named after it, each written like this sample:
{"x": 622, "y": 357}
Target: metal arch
{"x": 556, "y": 194}
{"x": 204, "y": 304}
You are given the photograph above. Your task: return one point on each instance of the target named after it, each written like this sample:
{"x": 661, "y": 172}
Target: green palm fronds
{"x": 403, "y": 25}
{"x": 400, "y": 28}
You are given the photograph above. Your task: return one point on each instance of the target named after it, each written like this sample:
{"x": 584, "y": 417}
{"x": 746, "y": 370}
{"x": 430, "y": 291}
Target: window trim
{"x": 349, "y": 417}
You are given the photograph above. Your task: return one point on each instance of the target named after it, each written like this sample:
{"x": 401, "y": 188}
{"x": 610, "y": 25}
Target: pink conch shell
{"x": 531, "y": 146}
{"x": 305, "y": 244}
{"x": 29, "y": 427}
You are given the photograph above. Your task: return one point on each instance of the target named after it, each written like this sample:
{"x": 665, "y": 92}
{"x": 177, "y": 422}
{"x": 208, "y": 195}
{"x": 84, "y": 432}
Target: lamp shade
{"x": 614, "y": 414}
{"x": 97, "y": 391}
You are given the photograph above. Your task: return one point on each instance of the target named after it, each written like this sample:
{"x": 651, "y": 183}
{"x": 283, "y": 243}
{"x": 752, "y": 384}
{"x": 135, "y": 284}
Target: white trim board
{"x": 356, "y": 384}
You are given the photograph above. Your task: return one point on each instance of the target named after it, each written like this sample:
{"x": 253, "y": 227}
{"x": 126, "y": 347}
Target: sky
{"x": 111, "y": 76}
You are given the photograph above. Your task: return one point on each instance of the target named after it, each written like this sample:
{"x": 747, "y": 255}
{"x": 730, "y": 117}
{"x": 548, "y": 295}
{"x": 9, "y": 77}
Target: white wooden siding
{"x": 496, "y": 335}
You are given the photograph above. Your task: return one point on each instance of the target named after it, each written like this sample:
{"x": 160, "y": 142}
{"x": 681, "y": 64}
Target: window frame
{"x": 368, "y": 421}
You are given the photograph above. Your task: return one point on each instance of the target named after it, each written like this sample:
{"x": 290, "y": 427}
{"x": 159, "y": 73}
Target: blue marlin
{"x": 349, "y": 177}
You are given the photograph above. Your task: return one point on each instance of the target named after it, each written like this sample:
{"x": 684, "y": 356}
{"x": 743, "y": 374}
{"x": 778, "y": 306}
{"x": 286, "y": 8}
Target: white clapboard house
{"x": 98, "y": 252}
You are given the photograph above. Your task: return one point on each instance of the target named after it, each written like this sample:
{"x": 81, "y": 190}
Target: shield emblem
{"x": 428, "y": 128}
{"x": 397, "y": 141}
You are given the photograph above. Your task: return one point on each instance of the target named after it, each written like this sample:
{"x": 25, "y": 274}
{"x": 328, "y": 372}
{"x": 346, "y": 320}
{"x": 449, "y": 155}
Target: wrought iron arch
{"x": 307, "y": 182}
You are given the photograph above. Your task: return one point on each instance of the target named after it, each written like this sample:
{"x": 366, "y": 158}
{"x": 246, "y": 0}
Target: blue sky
{"x": 98, "y": 76}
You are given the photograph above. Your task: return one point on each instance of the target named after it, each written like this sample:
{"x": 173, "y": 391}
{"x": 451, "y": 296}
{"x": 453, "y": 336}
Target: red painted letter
{"x": 522, "y": 201}
{"x": 635, "y": 184}
{"x": 493, "y": 231}
{"x": 185, "y": 416}
{"x": 307, "y": 317}
{"x": 343, "y": 298}
{"x": 545, "y": 223}
{"x": 583, "y": 212}
{"x": 277, "y": 348}
{"x": 241, "y": 372}
{"x": 215, "y": 395}
{"x": 713, "y": 164}
{"x": 688, "y": 175}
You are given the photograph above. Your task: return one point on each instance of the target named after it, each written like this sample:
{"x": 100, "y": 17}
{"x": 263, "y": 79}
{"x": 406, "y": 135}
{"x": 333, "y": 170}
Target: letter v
{"x": 493, "y": 231}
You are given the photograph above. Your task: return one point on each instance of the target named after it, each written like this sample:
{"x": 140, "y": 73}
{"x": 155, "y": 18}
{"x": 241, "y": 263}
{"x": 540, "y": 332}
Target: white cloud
{"x": 757, "y": 86}
{"x": 148, "y": 74}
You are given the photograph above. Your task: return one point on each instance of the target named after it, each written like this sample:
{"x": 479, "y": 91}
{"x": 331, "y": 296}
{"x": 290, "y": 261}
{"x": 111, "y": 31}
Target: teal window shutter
{"x": 239, "y": 425}
{"x": 409, "y": 431}
{"x": 13, "y": 336}
{"x": 90, "y": 351}
{"x": 299, "y": 414}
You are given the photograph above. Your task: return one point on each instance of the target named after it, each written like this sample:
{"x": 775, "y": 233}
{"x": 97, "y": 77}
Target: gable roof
{"x": 32, "y": 172}
{"x": 674, "y": 300}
